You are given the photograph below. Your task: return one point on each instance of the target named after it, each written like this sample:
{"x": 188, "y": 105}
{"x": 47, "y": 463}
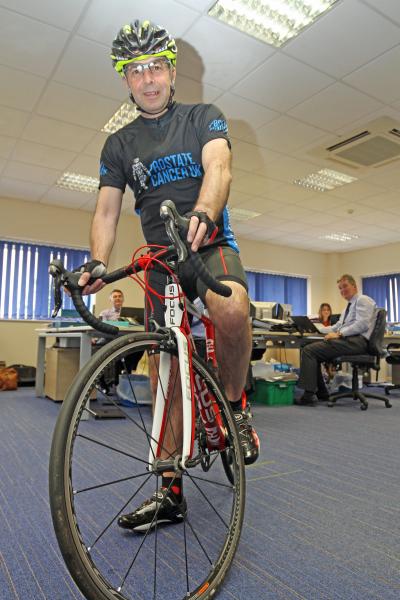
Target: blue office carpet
{"x": 323, "y": 505}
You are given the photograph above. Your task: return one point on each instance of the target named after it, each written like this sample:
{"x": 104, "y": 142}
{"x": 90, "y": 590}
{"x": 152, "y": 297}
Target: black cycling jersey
{"x": 161, "y": 158}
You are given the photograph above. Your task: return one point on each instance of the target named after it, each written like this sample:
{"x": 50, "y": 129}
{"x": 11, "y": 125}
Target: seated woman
{"x": 324, "y": 317}
{"x": 324, "y": 314}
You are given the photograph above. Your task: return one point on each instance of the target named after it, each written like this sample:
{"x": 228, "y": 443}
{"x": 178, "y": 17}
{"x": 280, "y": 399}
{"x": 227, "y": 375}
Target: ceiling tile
{"x": 251, "y": 158}
{"x": 24, "y": 190}
{"x": 385, "y": 200}
{"x": 334, "y": 107}
{"x": 378, "y": 78}
{"x": 85, "y": 165}
{"x": 19, "y": 89}
{"x": 57, "y": 134}
{"x": 290, "y": 227}
{"x": 291, "y": 194}
{"x": 255, "y": 184}
{"x": 190, "y": 91}
{"x": 212, "y": 62}
{"x": 72, "y": 199}
{"x": 343, "y": 211}
{"x": 358, "y": 190}
{"x": 244, "y": 117}
{"x": 12, "y": 122}
{"x": 389, "y": 8}
{"x": 281, "y": 82}
{"x": 94, "y": 73}
{"x": 238, "y": 198}
{"x": 258, "y": 204}
{"x": 387, "y": 178}
{"x": 95, "y": 146}
{"x": 286, "y": 134}
{"x": 76, "y": 106}
{"x": 104, "y": 19}
{"x": 199, "y": 5}
{"x": 345, "y": 38}
{"x": 61, "y": 14}
{"x": 7, "y": 145}
{"x": 2, "y": 164}
{"x": 288, "y": 169}
{"x": 320, "y": 202}
{"x": 32, "y": 173}
{"x": 44, "y": 156}
{"x": 39, "y": 45}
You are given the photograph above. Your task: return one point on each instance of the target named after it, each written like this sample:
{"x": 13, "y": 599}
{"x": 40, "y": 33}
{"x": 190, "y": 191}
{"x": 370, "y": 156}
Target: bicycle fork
{"x": 194, "y": 391}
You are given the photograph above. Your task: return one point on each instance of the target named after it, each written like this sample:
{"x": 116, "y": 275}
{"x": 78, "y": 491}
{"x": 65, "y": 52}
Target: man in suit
{"x": 349, "y": 335}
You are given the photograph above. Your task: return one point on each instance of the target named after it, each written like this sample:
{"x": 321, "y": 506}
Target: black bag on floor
{"x": 26, "y": 374}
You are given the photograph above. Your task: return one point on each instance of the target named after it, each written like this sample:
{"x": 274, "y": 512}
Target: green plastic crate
{"x": 273, "y": 393}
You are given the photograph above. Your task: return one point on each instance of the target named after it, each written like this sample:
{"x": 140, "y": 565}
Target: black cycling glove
{"x": 95, "y": 267}
{"x": 212, "y": 228}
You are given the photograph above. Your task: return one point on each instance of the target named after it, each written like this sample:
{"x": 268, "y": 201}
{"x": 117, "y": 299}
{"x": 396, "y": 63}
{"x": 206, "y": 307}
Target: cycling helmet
{"x": 141, "y": 40}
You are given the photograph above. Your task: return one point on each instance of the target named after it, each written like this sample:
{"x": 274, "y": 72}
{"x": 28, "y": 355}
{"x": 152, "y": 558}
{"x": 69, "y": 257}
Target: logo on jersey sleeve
{"x": 103, "y": 169}
{"x": 218, "y": 125}
{"x": 140, "y": 173}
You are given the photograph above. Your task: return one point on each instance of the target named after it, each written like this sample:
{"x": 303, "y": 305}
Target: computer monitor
{"x": 129, "y": 312}
{"x": 335, "y": 318}
{"x": 270, "y": 310}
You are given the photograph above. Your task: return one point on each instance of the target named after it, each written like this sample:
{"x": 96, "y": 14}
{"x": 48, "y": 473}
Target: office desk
{"x": 295, "y": 340}
{"x": 83, "y": 333}
{"x": 263, "y": 339}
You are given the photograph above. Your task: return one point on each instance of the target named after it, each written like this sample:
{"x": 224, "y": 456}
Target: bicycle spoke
{"x": 118, "y": 513}
{"x": 199, "y": 542}
{"x": 89, "y": 439}
{"x": 207, "y": 500}
{"x": 224, "y": 485}
{"x": 186, "y": 557}
{"x": 101, "y": 485}
{"x": 154, "y": 520}
{"x": 155, "y": 554}
{"x": 148, "y": 435}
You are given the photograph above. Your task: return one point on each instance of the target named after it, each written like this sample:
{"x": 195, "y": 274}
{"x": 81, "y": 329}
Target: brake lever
{"x": 174, "y": 224}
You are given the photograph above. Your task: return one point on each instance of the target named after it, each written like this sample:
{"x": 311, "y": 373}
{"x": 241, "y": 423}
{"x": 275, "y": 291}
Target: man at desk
{"x": 113, "y": 313}
{"x": 349, "y": 335}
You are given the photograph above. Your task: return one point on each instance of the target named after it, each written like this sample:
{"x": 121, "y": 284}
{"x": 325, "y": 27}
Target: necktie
{"x": 346, "y": 314}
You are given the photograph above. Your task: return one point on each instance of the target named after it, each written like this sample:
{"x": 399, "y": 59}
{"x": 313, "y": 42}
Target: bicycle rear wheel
{"x": 99, "y": 470}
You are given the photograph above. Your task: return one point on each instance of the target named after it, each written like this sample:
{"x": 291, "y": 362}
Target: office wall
{"x": 70, "y": 227}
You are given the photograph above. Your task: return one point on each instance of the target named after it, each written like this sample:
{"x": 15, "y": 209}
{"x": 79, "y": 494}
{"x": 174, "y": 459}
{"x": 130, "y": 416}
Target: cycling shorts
{"x": 223, "y": 263}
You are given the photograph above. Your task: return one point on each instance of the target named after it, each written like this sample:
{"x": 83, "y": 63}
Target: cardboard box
{"x": 62, "y": 365}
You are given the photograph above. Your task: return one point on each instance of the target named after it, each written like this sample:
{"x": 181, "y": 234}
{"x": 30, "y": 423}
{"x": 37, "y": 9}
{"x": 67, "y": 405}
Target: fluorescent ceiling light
{"x": 271, "y": 21}
{"x": 324, "y": 180}
{"x": 339, "y": 237}
{"x": 241, "y": 214}
{"x": 78, "y": 183}
{"x": 124, "y": 115}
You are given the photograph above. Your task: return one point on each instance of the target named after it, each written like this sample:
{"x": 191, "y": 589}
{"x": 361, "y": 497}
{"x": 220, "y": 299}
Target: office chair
{"x": 393, "y": 358}
{"x": 363, "y": 362}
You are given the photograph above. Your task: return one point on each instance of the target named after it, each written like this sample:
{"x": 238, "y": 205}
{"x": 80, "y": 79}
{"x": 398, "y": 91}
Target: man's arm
{"x": 103, "y": 230}
{"x": 214, "y": 192}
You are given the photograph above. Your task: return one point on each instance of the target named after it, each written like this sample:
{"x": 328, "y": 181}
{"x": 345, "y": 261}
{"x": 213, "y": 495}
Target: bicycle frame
{"x": 193, "y": 389}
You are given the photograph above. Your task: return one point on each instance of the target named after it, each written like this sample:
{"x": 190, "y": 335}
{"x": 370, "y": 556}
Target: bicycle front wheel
{"x": 99, "y": 470}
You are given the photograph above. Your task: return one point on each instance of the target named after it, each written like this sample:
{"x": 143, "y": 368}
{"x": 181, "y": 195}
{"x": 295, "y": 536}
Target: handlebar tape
{"x": 204, "y": 274}
{"x": 76, "y": 295}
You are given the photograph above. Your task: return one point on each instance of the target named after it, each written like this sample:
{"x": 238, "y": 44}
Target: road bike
{"x": 100, "y": 471}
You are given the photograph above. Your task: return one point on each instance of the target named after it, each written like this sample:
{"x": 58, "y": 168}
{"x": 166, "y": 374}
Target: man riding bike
{"x": 181, "y": 152}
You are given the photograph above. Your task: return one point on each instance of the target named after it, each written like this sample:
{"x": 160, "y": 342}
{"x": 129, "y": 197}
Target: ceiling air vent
{"x": 373, "y": 145}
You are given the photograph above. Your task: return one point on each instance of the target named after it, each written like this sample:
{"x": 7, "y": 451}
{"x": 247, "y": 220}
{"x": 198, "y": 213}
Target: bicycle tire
{"x": 95, "y": 575}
